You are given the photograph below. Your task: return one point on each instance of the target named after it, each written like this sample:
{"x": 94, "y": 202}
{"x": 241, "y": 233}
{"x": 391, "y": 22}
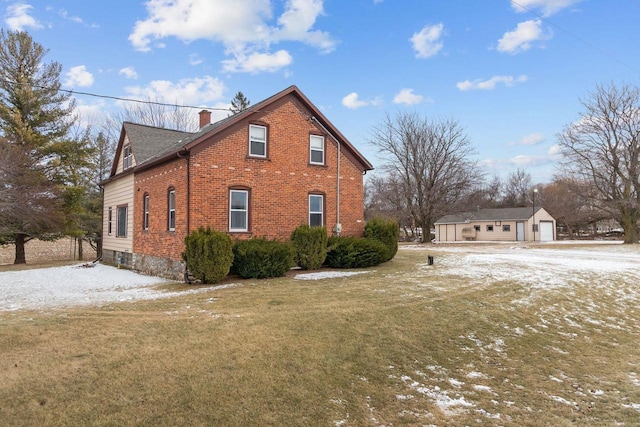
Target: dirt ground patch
{"x": 38, "y": 251}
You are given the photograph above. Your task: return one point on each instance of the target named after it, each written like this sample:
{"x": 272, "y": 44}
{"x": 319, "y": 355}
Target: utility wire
{"x": 580, "y": 39}
{"x": 119, "y": 98}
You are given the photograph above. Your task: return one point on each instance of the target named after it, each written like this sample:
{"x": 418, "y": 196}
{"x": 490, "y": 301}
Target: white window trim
{"x": 127, "y": 158}
{"x": 312, "y": 149}
{"x": 321, "y": 212}
{"x": 126, "y": 225}
{"x": 262, "y": 142}
{"x": 246, "y": 211}
{"x": 110, "y": 221}
{"x": 145, "y": 217}
{"x": 170, "y": 210}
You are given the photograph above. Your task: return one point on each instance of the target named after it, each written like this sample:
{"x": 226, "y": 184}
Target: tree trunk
{"x": 630, "y": 226}
{"x": 80, "y": 253}
{"x": 20, "y": 257}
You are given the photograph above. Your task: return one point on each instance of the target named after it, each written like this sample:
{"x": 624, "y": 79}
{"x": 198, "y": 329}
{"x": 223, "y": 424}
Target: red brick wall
{"x": 158, "y": 240}
{"x": 279, "y": 185}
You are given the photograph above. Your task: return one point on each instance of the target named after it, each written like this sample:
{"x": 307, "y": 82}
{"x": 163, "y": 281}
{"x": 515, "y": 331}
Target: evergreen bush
{"x": 261, "y": 258}
{"x": 309, "y": 246}
{"x": 355, "y": 252}
{"x": 208, "y": 255}
{"x": 385, "y": 231}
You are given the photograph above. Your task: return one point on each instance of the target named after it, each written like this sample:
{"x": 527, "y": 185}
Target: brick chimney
{"x": 205, "y": 118}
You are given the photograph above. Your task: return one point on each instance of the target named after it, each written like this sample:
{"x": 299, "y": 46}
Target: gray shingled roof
{"x": 504, "y": 214}
{"x": 148, "y": 142}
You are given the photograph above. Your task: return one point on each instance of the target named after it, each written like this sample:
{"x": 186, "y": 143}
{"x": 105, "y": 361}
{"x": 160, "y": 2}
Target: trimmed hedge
{"x": 261, "y": 258}
{"x": 208, "y": 255}
{"x": 309, "y": 246}
{"x": 355, "y": 252}
{"x": 385, "y": 231}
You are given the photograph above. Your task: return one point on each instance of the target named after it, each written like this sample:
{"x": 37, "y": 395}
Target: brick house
{"x": 258, "y": 173}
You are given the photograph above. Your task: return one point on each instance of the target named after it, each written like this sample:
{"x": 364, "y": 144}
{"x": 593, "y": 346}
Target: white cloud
{"x": 427, "y": 42}
{"x": 195, "y": 59}
{"x": 531, "y": 139}
{"x": 129, "y": 72}
{"x": 246, "y": 30}
{"x": 191, "y": 91}
{"x": 547, "y": 7}
{"x": 523, "y": 37}
{"x": 523, "y": 160}
{"x": 68, "y": 17}
{"x": 353, "y": 101}
{"x": 406, "y": 96}
{"x": 491, "y": 83}
{"x": 257, "y": 62}
{"x": 554, "y": 150}
{"x": 18, "y": 17}
{"x": 78, "y": 76}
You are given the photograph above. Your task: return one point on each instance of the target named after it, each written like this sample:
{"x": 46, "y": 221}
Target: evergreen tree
{"x": 34, "y": 117}
{"x": 239, "y": 103}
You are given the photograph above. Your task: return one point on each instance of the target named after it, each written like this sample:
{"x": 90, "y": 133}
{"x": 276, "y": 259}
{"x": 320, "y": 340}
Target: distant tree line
{"x": 427, "y": 171}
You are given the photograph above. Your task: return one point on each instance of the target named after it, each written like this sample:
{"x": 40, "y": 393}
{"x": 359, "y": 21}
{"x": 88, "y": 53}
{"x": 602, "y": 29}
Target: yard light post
{"x": 533, "y": 213}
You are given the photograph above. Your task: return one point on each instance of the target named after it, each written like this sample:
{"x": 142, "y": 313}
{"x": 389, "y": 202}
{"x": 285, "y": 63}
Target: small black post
{"x": 430, "y": 259}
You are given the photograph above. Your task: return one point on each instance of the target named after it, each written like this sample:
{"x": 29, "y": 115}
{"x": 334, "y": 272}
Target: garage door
{"x": 546, "y": 231}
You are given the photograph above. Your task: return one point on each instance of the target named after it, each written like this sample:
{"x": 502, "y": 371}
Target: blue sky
{"x": 511, "y": 72}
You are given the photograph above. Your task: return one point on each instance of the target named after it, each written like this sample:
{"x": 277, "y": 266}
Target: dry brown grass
{"x": 404, "y": 344}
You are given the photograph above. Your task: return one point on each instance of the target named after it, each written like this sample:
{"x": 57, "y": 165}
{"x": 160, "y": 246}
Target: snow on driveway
{"x": 72, "y": 285}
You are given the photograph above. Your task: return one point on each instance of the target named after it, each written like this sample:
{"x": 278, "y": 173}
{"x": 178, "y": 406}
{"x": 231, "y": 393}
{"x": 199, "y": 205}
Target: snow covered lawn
{"x": 57, "y": 287}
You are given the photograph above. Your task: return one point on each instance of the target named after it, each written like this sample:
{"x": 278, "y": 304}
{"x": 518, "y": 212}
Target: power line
{"x": 580, "y": 39}
{"x": 119, "y": 98}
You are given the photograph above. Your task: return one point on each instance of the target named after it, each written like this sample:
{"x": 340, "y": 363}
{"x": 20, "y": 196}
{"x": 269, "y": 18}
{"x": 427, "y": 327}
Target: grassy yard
{"x": 405, "y": 343}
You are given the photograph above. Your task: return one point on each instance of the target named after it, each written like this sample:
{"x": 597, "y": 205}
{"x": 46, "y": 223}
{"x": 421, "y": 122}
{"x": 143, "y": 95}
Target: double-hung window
{"x": 316, "y": 150}
{"x": 171, "y": 214}
{"x": 145, "y": 214}
{"x": 238, "y": 210}
{"x": 121, "y": 221}
{"x": 257, "y": 141}
{"x": 316, "y": 210}
{"x": 127, "y": 157}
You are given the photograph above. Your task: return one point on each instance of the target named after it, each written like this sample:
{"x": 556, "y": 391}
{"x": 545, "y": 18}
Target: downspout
{"x": 338, "y": 227}
{"x": 187, "y": 157}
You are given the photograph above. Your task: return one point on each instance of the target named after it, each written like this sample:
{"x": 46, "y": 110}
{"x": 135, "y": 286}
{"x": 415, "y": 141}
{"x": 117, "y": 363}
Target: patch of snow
{"x": 482, "y": 388}
{"x": 476, "y": 374}
{"x": 72, "y": 285}
{"x": 327, "y": 275}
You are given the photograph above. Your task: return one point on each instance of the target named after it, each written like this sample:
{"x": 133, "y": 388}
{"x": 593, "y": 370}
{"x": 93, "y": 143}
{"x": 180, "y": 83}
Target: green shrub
{"x": 355, "y": 252}
{"x": 385, "y": 231}
{"x": 208, "y": 255}
{"x": 309, "y": 246}
{"x": 261, "y": 258}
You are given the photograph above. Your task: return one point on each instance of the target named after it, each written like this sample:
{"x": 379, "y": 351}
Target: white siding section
{"x": 118, "y": 193}
{"x": 120, "y": 167}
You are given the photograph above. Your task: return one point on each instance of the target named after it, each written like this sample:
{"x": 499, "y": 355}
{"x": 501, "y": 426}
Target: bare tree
{"x": 432, "y": 161}
{"x": 603, "y": 147}
{"x": 518, "y": 189}
{"x": 150, "y": 112}
{"x": 384, "y": 197}
{"x": 569, "y": 202}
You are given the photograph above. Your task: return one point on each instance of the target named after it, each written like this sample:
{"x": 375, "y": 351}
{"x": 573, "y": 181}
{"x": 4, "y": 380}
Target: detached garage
{"x": 508, "y": 224}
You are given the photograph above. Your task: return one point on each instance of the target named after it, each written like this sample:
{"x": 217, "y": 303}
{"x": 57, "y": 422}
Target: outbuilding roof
{"x": 502, "y": 214}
